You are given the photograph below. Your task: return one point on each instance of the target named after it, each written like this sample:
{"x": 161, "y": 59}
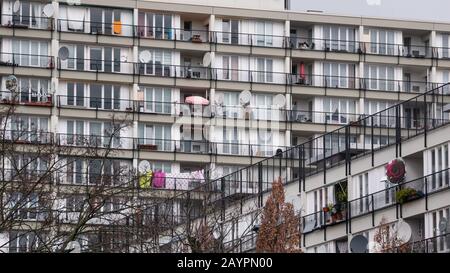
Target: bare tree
{"x": 387, "y": 240}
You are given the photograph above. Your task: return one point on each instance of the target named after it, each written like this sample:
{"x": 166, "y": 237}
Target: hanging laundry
{"x": 145, "y": 181}
{"x": 76, "y": 17}
{"x": 117, "y": 27}
{"x": 159, "y": 178}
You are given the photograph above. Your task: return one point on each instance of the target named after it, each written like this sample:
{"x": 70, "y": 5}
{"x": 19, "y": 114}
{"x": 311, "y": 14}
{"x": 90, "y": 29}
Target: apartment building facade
{"x": 82, "y": 74}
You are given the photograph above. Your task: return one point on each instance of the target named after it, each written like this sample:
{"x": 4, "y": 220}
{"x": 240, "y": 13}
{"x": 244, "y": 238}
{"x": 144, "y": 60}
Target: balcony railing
{"x": 97, "y": 28}
{"x": 373, "y": 202}
{"x": 26, "y": 136}
{"x": 27, "y": 22}
{"x": 111, "y": 104}
{"x": 33, "y": 98}
{"x": 249, "y": 39}
{"x": 26, "y": 60}
{"x": 95, "y": 141}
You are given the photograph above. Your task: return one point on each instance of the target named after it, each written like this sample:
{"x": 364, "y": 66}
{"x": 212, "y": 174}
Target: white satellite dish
{"x": 63, "y": 53}
{"x": 73, "y": 2}
{"x": 48, "y": 10}
{"x": 218, "y": 98}
{"x": 16, "y": 6}
{"x": 244, "y": 98}
{"x": 279, "y": 100}
{"x": 11, "y": 83}
{"x": 207, "y": 59}
{"x": 404, "y": 231}
{"x": 73, "y": 247}
{"x": 145, "y": 56}
{"x": 144, "y": 166}
{"x": 123, "y": 58}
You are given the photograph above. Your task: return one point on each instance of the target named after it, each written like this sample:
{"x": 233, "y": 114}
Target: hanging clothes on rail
{"x": 145, "y": 180}
{"x": 159, "y": 179}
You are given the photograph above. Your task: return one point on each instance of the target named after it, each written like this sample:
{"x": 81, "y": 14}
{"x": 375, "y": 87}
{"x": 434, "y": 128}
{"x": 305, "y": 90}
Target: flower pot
{"x": 326, "y": 209}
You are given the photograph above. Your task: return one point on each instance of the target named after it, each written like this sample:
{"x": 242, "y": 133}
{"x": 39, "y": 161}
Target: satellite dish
{"x": 145, "y": 56}
{"x": 123, "y": 58}
{"x": 48, "y": 10}
{"x": 443, "y": 225}
{"x": 245, "y": 97}
{"x": 144, "y": 166}
{"x": 279, "y": 100}
{"x": 11, "y": 83}
{"x": 73, "y": 2}
{"x": 207, "y": 59}
{"x": 16, "y": 6}
{"x": 359, "y": 244}
{"x": 73, "y": 247}
{"x": 219, "y": 98}
{"x": 404, "y": 231}
{"x": 63, "y": 53}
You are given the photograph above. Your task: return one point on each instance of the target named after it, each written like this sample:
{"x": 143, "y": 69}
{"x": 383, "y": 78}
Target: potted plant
{"x": 405, "y": 194}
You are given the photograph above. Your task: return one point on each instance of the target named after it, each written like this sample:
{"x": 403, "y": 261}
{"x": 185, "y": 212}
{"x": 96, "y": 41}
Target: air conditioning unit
{"x": 416, "y": 88}
{"x": 196, "y": 147}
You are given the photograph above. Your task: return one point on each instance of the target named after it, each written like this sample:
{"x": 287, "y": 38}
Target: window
{"x": 383, "y": 119}
{"x": 230, "y": 31}
{"x": 159, "y": 135}
{"x": 105, "y": 97}
{"x": 30, "y": 53}
{"x": 264, "y": 106}
{"x": 445, "y": 45}
{"x": 380, "y": 78}
{"x": 30, "y": 128}
{"x": 33, "y": 89}
{"x": 158, "y": 100}
{"x": 160, "y": 65}
{"x": 382, "y": 42}
{"x": 437, "y": 165}
{"x": 25, "y": 206}
{"x": 75, "y": 132}
{"x": 75, "y": 94}
{"x": 29, "y": 15}
{"x": 158, "y": 26}
{"x": 264, "y": 70}
{"x": 264, "y": 31}
{"x": 264, "y": 146}
{"x": 231, "y": 106}
{"x": 230, "y": 141}
{"x": 339, "y": 111}
{"x": 339, "y": 38}
{"x": 22, "y": 241}
{"x": 339, "y": 75}
{"x": 230, "y": 68}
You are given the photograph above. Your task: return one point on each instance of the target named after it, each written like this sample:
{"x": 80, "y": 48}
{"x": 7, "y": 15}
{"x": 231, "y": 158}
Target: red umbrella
{"x": 197, "y": 100}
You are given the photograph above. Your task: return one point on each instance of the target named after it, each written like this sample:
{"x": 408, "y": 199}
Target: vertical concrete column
{"x": 135, "y": 87}
{"x": 54, "y": 86}
{"x": 433, "y": 43}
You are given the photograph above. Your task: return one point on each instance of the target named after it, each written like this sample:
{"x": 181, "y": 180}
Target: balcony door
{"x": 230, "y": 31}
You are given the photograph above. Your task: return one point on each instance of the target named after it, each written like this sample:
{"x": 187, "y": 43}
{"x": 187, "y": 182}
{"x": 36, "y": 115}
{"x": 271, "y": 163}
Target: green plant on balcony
{"x": 405, "y": 194}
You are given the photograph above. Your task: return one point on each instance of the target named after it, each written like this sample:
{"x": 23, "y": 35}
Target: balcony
{"x": 392, "y": 196}
{"x": 95, "y": 141}
{"x": 26, "y": 60}
{"x": 33, "y": 98}
{"x": 27, "y": 22}
{"x": 26, "y": 137}
{"x": 97, "y": 28}
{"x": 108, "y": 104}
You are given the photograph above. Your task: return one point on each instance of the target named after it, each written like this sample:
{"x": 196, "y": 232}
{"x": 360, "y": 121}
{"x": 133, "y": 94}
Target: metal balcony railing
{"x": 26, "y": 60}
{"x": 371, "y": 203}
{"x": 27, "y": 22}
{"x": 32, "y": 98}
